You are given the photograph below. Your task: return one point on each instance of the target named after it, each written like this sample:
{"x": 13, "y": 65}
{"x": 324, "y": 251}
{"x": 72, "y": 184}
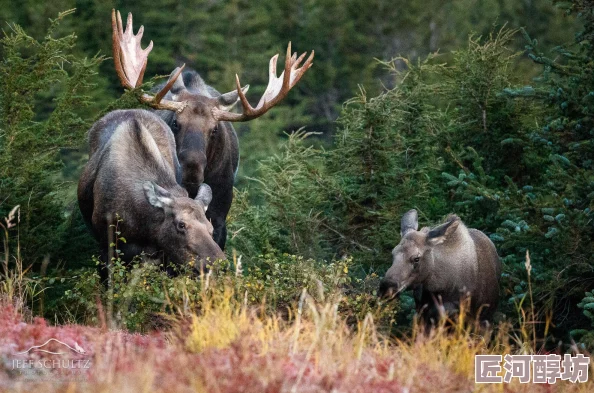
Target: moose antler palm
{"x": 277, "y": 89}
{"x": 131, "y": 60}
{"x": 130, "y": 63}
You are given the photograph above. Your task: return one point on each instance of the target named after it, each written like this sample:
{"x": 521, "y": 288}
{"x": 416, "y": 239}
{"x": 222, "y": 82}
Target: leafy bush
{"x": 466, "y": 137}
{"x": 143, "y": 297}
{"x": 536, "y": 190}
{"x": 44, "y": 93}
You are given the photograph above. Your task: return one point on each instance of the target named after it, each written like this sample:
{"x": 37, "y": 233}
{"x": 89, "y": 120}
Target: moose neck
{"x": 453, "y": 263}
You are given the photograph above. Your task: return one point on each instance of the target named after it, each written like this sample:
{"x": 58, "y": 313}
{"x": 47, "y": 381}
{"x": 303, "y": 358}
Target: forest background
{"x": 481, "y": 108}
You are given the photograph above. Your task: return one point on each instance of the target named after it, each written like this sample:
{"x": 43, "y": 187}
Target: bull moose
{"x": 446, "y": 263}
{"x": 132, "y": 172}
{"x": 200, "y": 117}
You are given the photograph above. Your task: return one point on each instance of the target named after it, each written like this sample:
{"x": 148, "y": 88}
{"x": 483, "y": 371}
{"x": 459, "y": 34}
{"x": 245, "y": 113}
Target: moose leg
{"x": 222, "y": 197}
{"x": 219, "y": 228}
{"x": 426, "y": 310}
{"x": 102, "y": 267}
{"x": 128, "y": 252}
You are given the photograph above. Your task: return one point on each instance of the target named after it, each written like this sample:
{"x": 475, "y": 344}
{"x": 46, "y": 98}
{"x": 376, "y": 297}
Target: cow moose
{"x": 200, "y": 117}
{"x": 132, "y": 172}
{"x": 446, "y": 264}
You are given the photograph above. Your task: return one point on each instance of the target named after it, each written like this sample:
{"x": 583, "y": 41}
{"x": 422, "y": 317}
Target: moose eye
{"x": 416, "y": 259}
{"x": 174, "y": 125}
{"x": 181, "y": 226}
{"x": 214, "y": 131}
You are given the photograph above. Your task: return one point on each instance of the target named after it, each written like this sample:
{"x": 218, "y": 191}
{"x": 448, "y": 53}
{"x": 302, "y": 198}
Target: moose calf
{"x": 446, "y": 264}
{"x": 132, "y": 172}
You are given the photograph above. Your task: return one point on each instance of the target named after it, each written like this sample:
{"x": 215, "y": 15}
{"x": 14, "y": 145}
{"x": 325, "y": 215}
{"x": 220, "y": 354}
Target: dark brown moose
{"x": 131, "y": 172}
{"x": 200, "y": 116}
{"x": 446, "y": 264}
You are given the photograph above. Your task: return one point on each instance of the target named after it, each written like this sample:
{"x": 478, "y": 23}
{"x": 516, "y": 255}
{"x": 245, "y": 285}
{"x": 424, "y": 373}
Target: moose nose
{"x": 221, "y": 255}
{"x": 191, "y": 182}
{"x": 193, "y": 167}
{"x": 205, "y": 261}
{"x": 388, "y": 289}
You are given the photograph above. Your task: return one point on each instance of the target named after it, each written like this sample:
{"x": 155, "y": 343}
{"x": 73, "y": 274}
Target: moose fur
{"x": 208, "y": 150}
{"x": 132, "y": 172}
{"x": 446, "y": 264}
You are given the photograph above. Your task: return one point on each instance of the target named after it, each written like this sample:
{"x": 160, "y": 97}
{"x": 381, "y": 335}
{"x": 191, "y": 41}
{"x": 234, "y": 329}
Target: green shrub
{"x": 142, "y": 296}
{"x": 44, "y": 96}
{"x": 465, "y": 137}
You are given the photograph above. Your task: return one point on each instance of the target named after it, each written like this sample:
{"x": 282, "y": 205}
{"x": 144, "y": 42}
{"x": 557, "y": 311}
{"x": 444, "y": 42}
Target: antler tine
{"x": 129, "y": 30}
{"x": 288, "y": 65}
{"x": 146, "y": 51}
{"x": 168, "y": 86}
{"x": 276, "y": 91}
{"x": 116, "y": 23}
{"x": 130, "y": 62}
{"x": 299, "y": 72}
{"x": 120, "y": 26}
{"x": 247, "y": 108}
{"x": 272, "y": 67}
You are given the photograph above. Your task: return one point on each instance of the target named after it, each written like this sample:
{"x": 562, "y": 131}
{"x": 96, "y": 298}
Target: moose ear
{"x": 178, "y": 85}
{"x": 157, "y": 195}
{"x": 409, "y": 222}
{"x": 228, "y": 100}
{"x": 204, "y": 195}
{"x": 440, "y": 233}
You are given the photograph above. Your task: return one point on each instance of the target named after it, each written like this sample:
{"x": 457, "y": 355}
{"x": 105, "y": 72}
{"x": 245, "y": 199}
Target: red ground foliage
{"x": 121, "y": 361}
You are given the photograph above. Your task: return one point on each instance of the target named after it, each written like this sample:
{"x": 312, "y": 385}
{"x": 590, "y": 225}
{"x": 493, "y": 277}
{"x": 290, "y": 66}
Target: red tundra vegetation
{"x": 228, "y": 347}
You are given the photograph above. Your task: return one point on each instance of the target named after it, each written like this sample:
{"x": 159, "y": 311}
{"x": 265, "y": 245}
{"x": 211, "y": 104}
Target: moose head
{"x": 198, "y": 118}
{"x": 414, "y": 258}
{"x": 184, "y": 234}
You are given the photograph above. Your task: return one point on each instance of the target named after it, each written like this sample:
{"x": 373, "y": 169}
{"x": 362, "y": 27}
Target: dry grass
{"x": 230, "y": 347}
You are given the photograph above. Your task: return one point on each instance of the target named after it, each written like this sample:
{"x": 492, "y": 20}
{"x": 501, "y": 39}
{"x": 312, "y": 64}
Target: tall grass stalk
{"x": 533, "y": 314}
{"x": 16, "y": 286}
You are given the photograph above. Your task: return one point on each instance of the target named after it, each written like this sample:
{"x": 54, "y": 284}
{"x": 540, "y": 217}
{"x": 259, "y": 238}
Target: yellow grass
{"x": 230, "y": 346}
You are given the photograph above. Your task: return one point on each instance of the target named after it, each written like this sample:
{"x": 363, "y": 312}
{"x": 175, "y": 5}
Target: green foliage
{"x": 43, "y": 94}
{"x": 143, "y": 295}
{"x": 293, "y": 228}
{"x": 462, "y": 136}
{"x": 382, "y": 164}
{"x": 140, "y": 296}
{"x": 140, "y": 293}
{"x": 535, "y": 190}
{"x": 587, "y": 305}
{"x": 224, "y": 38}
{"x": 586, "y": 336}
{"x": 345, "y": 200}
{"x": 279, "y": 280}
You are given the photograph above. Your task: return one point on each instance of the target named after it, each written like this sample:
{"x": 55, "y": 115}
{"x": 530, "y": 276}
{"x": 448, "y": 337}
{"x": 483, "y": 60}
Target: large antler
{"x": 278, "y": 88}
{"x": 130, "y": 62}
